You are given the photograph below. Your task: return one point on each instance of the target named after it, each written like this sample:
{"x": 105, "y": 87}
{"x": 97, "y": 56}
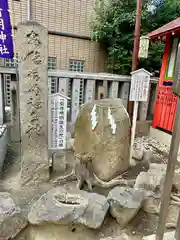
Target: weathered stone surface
{"x": 123, "y": 236}
{"x": 153, "y": 179}
{"x": 11, "y": 219}
{"x": 59, "y": 162}
{"x": 125, "y": 204}
{"x": 137, "y": 154}
{"x": 152, "y": 204}
{"x": 32, "y": 47}
{"x": 63, "y": 206}
{"x": 110, "y": 150}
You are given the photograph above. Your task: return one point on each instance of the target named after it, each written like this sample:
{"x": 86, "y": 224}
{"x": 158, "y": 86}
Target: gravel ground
{"x": 143, "y": 224}
{"x": 157, "y": 148}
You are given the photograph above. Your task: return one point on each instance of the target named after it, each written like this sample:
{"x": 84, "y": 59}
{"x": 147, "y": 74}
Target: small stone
{"x": 151, "y": 205}
{"x": 153, "y": 179}
{"x": 63, "y": 206}
{"x": 125, "y": 204}
{"x": 11, "y": 219}
{"x": 138, "y": 154}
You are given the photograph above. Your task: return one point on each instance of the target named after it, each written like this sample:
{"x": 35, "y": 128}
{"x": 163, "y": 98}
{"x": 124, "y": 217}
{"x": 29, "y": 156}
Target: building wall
{"x": 67, "y": 16}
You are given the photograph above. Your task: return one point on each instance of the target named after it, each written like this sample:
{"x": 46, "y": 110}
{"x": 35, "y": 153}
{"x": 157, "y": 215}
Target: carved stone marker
{"x": 102, "y": 130}
{"x": 32, "y": 43}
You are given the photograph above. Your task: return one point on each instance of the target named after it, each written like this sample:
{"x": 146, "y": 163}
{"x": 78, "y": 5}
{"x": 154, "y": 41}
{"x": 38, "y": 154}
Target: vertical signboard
{"x": 6, "y": 40}
{"x": 57, "y": 121}
{"x": 138, "y": 93}
{"x": 139, "y": 86}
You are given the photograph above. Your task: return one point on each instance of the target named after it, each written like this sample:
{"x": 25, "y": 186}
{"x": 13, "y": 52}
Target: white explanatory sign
{"x": 139, "y": 86}
{"x": 57, "y": 121}
{"x": 139, "y": 90}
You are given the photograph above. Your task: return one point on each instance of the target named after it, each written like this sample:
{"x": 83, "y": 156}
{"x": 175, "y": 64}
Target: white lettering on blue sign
{"x": 3, "y": 49}
{"x": 2, "y": 24}
{"x": 6, "y": 40}
{"x": 2, "y": 36}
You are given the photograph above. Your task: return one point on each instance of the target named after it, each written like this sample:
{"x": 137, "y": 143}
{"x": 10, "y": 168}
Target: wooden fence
{"x": 80, "y": 88}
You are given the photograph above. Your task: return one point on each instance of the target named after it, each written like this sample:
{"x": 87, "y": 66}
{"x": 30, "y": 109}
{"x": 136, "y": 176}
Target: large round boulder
{"x": 102, "y": 130}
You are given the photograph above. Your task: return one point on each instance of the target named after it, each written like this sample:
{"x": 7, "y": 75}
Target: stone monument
{"x": 32, "y": 44}
{"x": 102, "y": 129}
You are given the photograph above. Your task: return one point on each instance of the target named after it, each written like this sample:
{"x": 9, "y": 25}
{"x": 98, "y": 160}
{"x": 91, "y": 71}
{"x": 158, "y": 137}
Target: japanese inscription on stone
{"x": 34, "y": 101}
{"x": 32, "y": 46}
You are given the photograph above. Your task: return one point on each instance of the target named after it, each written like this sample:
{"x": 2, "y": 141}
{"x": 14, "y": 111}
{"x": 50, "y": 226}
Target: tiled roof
{"x": 164, "y": 30}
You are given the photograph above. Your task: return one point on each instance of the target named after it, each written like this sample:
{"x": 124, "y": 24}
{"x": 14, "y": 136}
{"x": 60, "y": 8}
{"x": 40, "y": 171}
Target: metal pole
{"x": 172, "y": 159}
{"x": 137, "y": 33}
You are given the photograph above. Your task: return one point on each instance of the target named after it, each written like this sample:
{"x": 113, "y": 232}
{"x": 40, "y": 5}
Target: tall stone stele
{"x": 102, "y": 130}
{"x": 32, "y": 46}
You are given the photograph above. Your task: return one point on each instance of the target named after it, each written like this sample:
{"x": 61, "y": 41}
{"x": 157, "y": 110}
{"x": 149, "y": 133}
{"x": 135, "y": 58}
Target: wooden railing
{"x": 84, "y": 87}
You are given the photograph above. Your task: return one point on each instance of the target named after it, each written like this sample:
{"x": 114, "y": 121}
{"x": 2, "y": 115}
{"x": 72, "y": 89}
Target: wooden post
{"x": 135, "y": 111}
{"x": 174, "y": 148}
{"x": 169, "y": 175}
{"x": 137, "y": 33}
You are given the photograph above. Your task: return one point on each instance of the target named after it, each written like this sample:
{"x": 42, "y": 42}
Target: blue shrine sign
{"x": 6, "y": 39}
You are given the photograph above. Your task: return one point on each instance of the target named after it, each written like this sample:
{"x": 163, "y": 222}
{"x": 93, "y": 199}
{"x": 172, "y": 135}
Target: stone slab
{"x": 12, "y": 220}
{"x": 64, "y": 206}
{"x": 32, "y": 45}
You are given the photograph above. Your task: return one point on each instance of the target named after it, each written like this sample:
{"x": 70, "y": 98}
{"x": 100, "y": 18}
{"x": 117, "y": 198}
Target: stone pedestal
{"x": 32, "y": 43}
